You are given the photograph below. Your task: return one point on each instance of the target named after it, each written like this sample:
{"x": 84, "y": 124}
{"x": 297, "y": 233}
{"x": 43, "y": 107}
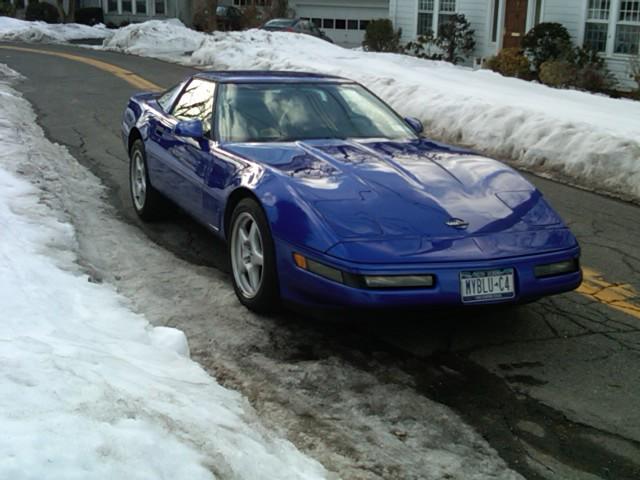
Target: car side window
{"x": 167, "y": 98}
{"x": 196, "y": 103}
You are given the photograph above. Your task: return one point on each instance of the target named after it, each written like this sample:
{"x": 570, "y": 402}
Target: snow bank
{"x": 593, "y": 140}
{"x": 12, "y": 29}
{"x": 90, "y": 389}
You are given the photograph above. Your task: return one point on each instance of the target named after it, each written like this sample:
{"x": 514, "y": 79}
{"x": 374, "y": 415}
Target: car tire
{"x": 252, "y": 258}
{"x": 147, "y": 201}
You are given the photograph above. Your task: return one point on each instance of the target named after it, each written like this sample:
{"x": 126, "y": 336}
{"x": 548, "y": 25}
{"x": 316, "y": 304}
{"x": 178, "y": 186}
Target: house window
{"x": 425, "y": 16}
{"x": 597, "y": 27}
{"x": 112, "y": 6}
{"x": 433, "y": 13}
{"x": 447, "y": 9}
{"x": 160, "y": 7}
{"x": 317, "y": 22}
{"x": 327, "y": 23}
{"x": 341, "y": 24}
{"x": 628, "y": 28}
{"x": 127, "y": 6}
{"x": 352, "y": 24}
{"x": 364, "y": 24}
{"x": 141, "y": 7}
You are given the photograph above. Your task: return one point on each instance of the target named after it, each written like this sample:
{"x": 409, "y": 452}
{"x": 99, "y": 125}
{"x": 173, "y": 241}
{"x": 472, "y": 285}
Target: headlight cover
{"x": 558, "y": 268}
{"x": 380, "y": 282}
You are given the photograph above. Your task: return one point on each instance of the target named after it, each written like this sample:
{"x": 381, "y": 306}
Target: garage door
{"x": 344, "y": 25}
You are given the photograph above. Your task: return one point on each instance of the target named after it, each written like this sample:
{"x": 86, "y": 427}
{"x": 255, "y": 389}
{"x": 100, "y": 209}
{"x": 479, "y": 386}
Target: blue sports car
{"x": 327, "y": 197}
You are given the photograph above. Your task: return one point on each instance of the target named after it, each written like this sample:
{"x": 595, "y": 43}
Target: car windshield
{"x": 272, "y": 112}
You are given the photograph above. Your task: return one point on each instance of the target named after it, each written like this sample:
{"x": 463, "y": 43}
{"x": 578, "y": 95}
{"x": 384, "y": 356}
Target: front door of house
{"x": 515, "y": 23}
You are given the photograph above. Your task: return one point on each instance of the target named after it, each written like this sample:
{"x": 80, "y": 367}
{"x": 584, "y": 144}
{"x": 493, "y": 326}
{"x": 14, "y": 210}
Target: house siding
{"x": 571, "y": 14}
{"x": 405, "y": 16}
{"x": 478, "y": 13}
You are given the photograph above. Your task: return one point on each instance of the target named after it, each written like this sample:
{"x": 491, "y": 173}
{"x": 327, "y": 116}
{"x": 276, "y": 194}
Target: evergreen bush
{"x": 381, "y": 37}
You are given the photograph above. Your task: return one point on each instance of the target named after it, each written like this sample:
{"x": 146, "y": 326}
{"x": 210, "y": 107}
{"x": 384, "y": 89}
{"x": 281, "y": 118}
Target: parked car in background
{"x": 228, "y": 17}
{"x": 295, "y": 25}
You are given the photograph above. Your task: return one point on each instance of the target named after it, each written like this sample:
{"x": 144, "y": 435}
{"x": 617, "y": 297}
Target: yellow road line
{"x": 620, "y": 296}
{"x": 126, "y": 75}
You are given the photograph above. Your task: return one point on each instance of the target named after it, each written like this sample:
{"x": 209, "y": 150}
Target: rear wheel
{"x": 147, "y": 201}
{"x": 252, "y": 258}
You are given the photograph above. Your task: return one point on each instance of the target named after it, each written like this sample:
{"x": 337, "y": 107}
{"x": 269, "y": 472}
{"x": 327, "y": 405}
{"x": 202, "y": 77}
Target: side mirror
{"x": 189, "y": 128}
{"x": 415, "y": 124}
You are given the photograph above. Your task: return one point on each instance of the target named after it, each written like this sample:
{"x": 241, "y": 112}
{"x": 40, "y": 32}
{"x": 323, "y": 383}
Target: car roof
{"x": 282, "y": 21}
{"x": 264, "y": 76}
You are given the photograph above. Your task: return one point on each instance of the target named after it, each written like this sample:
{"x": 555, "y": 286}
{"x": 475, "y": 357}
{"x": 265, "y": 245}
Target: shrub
{"x": 510, "y": 62}
{"x": 424, "y": 47}
{"x": 455, "y": 39}
{"x": 42, "y": 11}
{"x": 634, "y": 67}
{"x": 546, "y": 41}
{"x": 583, "y": 69}
{"x": 90, "y": 15}
{"x": 591, "y": 71}
{"x": 454, "y": 42}
{"x": 7, "y": 10}
{"x": 380, "y": 37}
{"x": 558, "y": 73}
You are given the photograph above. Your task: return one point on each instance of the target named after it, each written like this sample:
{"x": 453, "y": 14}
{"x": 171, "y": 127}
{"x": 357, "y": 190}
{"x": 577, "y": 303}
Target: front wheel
{"x": 252, "y": 258}
{"x": 147, "y": 201}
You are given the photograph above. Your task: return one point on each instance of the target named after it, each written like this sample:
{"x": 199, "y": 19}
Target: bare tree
{"x": 279, "y": 8}
{"x": 204, "y": 15}
{"x": 70, "y": 15}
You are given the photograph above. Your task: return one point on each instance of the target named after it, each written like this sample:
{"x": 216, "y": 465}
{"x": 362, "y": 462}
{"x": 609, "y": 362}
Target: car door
{"x": 185, "y": 160}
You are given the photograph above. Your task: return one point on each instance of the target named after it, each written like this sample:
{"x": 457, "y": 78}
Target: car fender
{"x": 292, "y": 219}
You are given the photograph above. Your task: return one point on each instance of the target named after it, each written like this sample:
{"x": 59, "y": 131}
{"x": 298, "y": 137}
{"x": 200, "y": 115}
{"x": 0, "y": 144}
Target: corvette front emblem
{"x": 458, "y": 223}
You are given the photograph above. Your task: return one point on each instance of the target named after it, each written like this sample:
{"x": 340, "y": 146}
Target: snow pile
{"x": 165, "y": 39}
{"x": 90, "y": 389}
{"x": 593, "y": 140}
{"x": 12, "y": 29}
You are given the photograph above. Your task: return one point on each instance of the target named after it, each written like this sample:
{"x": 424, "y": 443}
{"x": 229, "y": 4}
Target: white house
{"x": 611, "y": 27}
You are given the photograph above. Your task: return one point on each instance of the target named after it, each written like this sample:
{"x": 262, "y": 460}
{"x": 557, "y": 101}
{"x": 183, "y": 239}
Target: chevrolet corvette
{"x": 325, "y": 196}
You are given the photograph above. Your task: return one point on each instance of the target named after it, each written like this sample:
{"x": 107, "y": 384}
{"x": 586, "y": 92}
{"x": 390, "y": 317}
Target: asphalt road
{"x": 553, "y": 386}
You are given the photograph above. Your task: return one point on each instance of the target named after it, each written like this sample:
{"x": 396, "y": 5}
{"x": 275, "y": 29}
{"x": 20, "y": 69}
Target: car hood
{"x": 415, "y": 200}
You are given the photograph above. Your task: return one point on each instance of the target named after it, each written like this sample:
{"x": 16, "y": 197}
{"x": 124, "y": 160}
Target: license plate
{"x": 487, "y": 285}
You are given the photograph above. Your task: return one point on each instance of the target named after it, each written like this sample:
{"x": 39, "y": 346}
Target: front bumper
{"x": 303, "y": 287}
